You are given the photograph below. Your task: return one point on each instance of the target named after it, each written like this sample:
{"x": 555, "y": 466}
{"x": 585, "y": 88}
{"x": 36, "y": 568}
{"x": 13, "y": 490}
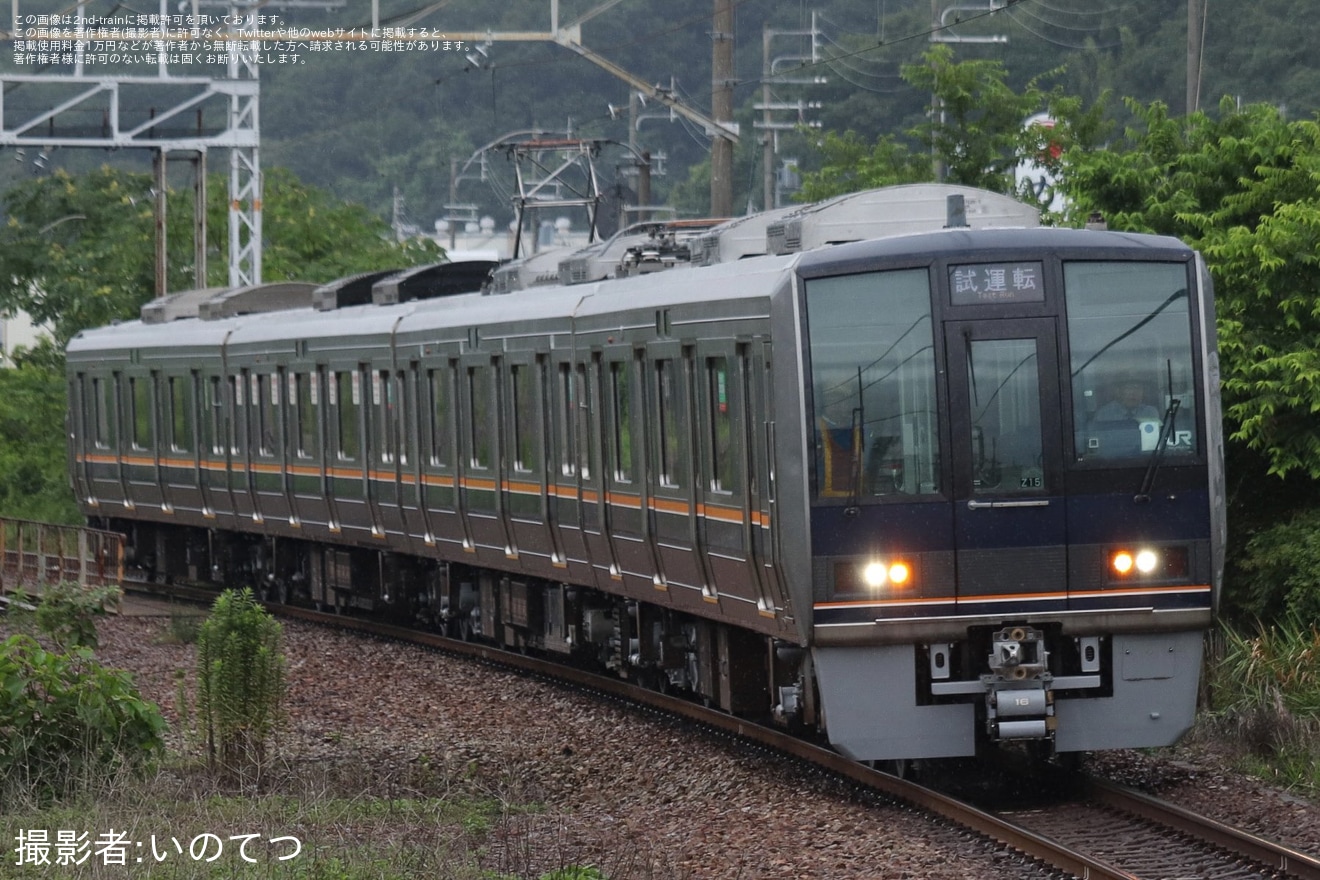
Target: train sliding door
{"x": 1009, "y": 515}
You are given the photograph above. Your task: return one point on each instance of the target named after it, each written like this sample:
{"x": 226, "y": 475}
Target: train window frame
{"x": 384, "y": 407}
{"x": 264, "y": 423}
{"x": 525, "y": 405}
{"x": 232, "y": 432}
{"x": 347, "y": 403}
{"x": 441, "y": 378}
{"x": 304, "y": 409}
{"x": 402, "y": 416}
{"x": 1083, "y": 408}
{"x": 179, "y": 398}
{"x": 215, "y": 415}
{"x": 668, "y": 388}
{"x": 921, "y": 469}
{"x": 721, "y": 410}
{"x": 586, "y": 413}
{"x": 278, "y": 400}
{"x": 140, "y": 400}
{"x": 564, "y": 419}
{"x": 622, "y": 437}
{"x": 104, "y": 401}
{"x": 482, "y": 405}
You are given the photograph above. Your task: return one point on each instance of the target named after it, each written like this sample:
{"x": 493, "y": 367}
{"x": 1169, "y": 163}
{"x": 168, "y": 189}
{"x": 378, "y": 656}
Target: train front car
{"x": 1013, "y": 488}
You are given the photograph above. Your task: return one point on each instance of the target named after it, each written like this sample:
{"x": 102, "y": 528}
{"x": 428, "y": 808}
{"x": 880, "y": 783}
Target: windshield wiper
{"x": 1166, "y": 431}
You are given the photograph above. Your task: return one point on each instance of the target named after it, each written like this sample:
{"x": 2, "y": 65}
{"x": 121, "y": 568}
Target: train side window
{"x": 349, "y": 395}
{"x": 264, "y": 405}
{"x": 384, "y": 399}
{"x": 441, "y": 395}
{"x": 140, "y": 419}
{"x": 215, "y": 405}
{"x": 180, "y": 420}
{"x": 305, "y": 413}
{"x": 585, "y": 406}
{"x": 526, "y": 435}
{"x": 671, "y": 464}
{"x": 565, "y": 420}
{"x": 621, "y": 440}
{"x": 236, "y": 395}
{"x": 724, "y": 476}
{"x": 280, "y": 420}
{"x": 402, "y": 408}
{"x": 479, "y": 427}
{"x": 104, "y": 401}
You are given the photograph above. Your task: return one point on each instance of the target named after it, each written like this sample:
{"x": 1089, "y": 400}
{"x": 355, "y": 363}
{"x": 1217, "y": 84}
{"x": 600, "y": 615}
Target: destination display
{"x": 994, "y": 283}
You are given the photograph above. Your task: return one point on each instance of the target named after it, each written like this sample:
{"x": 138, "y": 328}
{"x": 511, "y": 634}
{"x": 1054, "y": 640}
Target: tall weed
{"x": 1267, "y": 685}
{"x": 240, "y": 683}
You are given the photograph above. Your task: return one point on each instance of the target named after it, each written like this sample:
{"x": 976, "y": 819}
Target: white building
{"x": 18, "y": 331}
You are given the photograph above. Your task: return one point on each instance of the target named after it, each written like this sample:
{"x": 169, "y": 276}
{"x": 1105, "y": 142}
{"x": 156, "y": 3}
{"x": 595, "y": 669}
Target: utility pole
{"x": 1195, "y": 27}
{"x": 721, "y": 107}
{"x": 158, "y": 213}
{"x": 768, "y": 106}
{"x": 767, "y": 136}
{"x": 940, "y": 33}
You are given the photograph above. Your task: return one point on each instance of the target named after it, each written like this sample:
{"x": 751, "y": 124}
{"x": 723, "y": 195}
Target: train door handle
{"x": 983, "y": 505}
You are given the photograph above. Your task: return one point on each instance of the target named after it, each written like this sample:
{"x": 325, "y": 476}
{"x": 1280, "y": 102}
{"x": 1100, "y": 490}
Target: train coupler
{"x": 1019, "y": 700}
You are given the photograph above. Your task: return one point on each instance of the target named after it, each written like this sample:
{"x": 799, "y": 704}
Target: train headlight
{"x": 875, "y": 575}
{"x": 1171, "y": 563}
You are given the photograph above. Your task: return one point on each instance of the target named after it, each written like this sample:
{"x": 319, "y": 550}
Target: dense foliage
{"x": 66, "y": 722}
{"x": 370, "y": 123}
{"x": 1241, "y": 186}
{"x": 1265, "y": 695}
{"x": 34, "y": 476}
{"x": 977, "y": 138}
{"x": 79, "y": 251}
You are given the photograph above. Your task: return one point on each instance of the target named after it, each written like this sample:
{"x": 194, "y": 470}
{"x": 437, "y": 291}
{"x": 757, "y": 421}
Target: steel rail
{"x": 1266, "y": 852}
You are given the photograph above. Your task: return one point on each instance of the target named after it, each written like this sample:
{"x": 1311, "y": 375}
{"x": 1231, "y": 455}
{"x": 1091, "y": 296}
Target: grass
{"x": 444, "y": 826}
{"x": 1263, "y": 706}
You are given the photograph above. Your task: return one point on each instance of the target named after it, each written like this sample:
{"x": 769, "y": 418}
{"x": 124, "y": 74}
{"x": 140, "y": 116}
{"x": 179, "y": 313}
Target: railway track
{"x": 1102, "y": 831}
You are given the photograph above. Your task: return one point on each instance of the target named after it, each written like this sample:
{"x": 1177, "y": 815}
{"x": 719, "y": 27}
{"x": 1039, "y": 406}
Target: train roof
{"x": 894, "y": 210}
{"x": 722, "y": 282}
{"x": 728, "y": 281}
{"x": 925, "y": 245}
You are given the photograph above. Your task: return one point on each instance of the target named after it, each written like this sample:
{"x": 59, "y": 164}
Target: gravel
{"x": 637, "y": 795}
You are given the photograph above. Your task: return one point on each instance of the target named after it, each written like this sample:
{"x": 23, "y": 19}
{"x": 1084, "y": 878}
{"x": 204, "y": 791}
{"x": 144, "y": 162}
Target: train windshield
{"x": 1130, "y": 334}
{"x": 874, "y": 412}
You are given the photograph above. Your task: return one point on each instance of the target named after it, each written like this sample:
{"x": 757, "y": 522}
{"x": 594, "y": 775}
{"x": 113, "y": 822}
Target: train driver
{"x": 1126, "y": 424}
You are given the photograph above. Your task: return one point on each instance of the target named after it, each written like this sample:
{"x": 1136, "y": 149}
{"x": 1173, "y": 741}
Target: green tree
{"x": 979, "y": 137}
{"x": 847, "y": 164}
{"x": 79, "y": 251}
{"x": 34, "y": 476}
{"x": 1242, "y": 187}
{"x": 312, "y": 236}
